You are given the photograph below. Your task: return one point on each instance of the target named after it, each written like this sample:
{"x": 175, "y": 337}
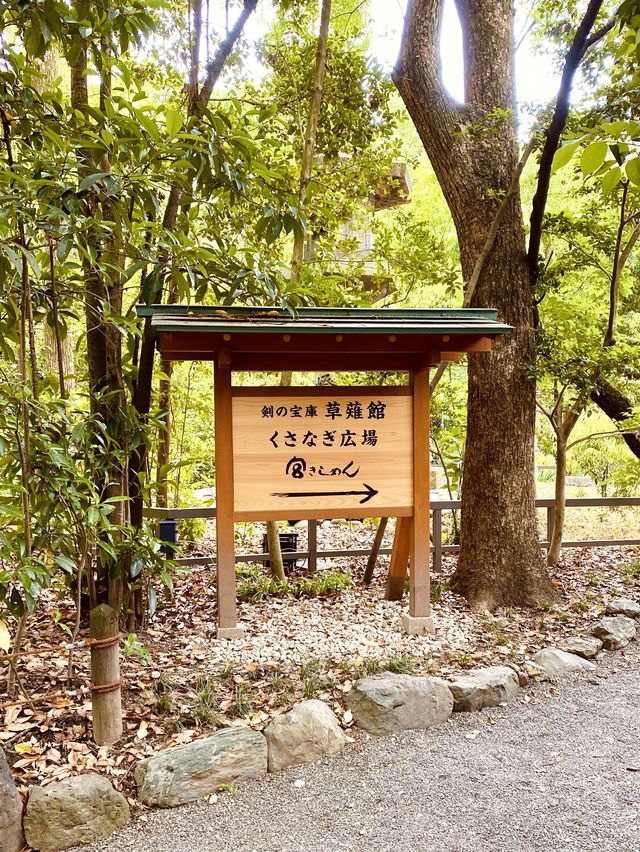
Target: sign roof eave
{"x": 346, "y": 321}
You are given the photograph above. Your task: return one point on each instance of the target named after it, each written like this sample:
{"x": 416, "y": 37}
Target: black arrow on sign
{"x": 368, "y": 494}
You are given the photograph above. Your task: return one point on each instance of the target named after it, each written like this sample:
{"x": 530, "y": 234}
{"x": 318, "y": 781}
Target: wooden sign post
{"x": 349, "y": 452}
{"x": 308, "y": 452}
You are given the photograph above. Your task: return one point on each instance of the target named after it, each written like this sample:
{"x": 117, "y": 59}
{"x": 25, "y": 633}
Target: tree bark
{"x": 473, "y": 151}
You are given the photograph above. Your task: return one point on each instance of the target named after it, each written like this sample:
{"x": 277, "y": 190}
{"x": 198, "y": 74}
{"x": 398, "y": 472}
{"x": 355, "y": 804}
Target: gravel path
{"x": 557, "y": 769}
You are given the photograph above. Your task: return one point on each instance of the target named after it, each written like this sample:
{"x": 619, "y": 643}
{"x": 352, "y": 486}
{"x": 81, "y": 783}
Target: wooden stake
{"x": 399, "y": 560}
{"x": 225, "y": 544}
{"x": 420, "y": 605}
{"x": 105, "y": 671}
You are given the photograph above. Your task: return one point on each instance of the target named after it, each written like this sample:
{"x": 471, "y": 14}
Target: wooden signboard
{"x": 341, "y": 452}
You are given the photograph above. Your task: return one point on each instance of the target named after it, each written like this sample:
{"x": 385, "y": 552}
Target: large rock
{"x": 305, "y": 734}
{"x": 556, "y": 662}
{"x": 11, "y": 836}
{"x": 73, "y": 812}
{"x": 615, "y": 631}
{"x": 583, "y": 646}
{"x": 186, "y": 773}
{"x": 623, "y": 606}
{"x": 484, "y": 688}
{"x": 386, "y": 703}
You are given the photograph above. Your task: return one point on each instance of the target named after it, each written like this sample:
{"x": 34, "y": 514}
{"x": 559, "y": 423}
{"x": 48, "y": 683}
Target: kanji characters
{"x": 376, "y": 410}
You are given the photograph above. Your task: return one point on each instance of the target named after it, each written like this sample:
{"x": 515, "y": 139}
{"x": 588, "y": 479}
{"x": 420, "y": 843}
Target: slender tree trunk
{"x": 103, "y": 288}
{"x": 313, "y": 119}
{"x": 555, "y": 545}
{"x": 500, "y": 560}
{"x": 143, "y": 387}
{"x": 58, "y": 351}
{"x": 24, "y": 449}
{"x": 276, "y": 563}
{"x": 23, "y": 440}
{"x": 306, "y": 168}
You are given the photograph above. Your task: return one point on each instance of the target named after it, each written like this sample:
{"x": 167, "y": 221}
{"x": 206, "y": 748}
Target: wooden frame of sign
{"x": 320, "y": 452}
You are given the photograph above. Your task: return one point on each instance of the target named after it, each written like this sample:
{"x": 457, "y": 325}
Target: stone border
{"x": 86, "y": 808}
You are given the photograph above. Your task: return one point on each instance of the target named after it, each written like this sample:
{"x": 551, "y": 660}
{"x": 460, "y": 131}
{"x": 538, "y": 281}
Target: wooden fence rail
{"x": 312, "y": 554}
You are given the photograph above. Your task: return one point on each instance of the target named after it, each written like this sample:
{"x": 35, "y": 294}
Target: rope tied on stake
{"x": 105, "y": 687}
{"x": 108, "y": 642}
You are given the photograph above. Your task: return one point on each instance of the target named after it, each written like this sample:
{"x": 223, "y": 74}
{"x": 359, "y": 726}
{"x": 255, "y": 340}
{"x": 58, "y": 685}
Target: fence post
{"x": 437, "y": 539}
{"x": 105, "y": 675}
{"x": 312, "y": 545}
{"x": 551, "y": 522}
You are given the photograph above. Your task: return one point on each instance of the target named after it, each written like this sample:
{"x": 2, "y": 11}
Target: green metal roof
{"x": 270, "y": 320}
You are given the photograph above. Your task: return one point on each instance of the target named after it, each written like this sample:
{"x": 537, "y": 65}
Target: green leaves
{"x": 174, "y": 121}
{"x": 611, "y": 179}
{"x": 632, "y": 169}
{"x": 593, "y": 157}
{"x": 564, "y": 154}
{"x": 91, "y": 180}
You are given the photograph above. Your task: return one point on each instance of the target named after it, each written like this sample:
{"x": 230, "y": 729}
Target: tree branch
{"x": 214, "y": 68}
{"x": 196, "y": 36}
{"x": 622, "y": 432}
{"x": 626, "y": 251}
{"x": 420, "y": 58}
{"x": 618, "y": 408}
{"x": 554, "y": 132}
{"x": 547, "y": 414}
{"x": 600, "y": 34}
{"x": 614, "y": 287}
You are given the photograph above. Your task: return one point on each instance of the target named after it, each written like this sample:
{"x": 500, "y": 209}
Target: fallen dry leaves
{"x": 293, "y": 649}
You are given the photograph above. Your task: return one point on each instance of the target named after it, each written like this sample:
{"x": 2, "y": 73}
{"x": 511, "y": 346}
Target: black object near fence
{"x": 288, "y": 544}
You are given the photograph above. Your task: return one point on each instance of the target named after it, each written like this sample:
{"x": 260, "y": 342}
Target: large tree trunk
{"x": 500, "y": 560}
{"x": 473, "y": 151}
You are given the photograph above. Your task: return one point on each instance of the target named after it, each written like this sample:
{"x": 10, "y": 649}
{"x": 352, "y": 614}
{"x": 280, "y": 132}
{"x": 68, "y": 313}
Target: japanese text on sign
{"x": 304, "y": 449}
